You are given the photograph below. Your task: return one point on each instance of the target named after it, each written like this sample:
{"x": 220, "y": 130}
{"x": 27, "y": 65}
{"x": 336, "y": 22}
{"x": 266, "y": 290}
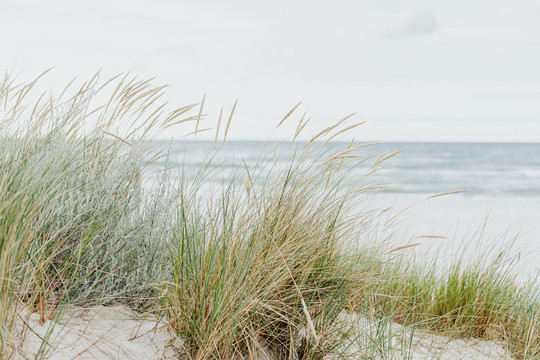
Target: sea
{"x": 496, "y": 205}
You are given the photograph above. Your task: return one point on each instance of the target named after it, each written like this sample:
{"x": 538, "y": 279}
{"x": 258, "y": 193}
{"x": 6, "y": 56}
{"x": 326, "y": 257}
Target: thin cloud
{"x": 419, "y": 24}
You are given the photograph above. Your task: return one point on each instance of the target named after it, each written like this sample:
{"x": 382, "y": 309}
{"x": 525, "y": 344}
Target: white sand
{"x": 118, "y": 333}
{"x": 405, "y": 343}
{"x": 99, "y": 333}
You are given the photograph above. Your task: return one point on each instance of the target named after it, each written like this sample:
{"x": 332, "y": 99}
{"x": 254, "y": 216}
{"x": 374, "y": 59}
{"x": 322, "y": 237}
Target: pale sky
{"x": 431, "y": 70}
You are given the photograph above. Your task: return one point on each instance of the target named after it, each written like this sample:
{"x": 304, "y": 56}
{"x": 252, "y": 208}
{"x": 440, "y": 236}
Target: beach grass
{"x": 271, "y": 259}
{"x": 266, "y": 268}
{"x": 77, "y": 226}
{"x": 482, "y": 298}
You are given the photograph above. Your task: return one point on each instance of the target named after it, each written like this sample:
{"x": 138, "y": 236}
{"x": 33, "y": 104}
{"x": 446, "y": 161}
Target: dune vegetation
{"x": 271, "y": 259}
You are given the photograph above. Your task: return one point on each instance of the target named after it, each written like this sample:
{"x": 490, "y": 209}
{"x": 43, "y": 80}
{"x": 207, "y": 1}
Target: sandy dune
{"x": 118, "y": 333}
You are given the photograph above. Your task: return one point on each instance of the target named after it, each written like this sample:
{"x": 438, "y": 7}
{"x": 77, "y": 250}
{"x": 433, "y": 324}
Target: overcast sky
{"x": 452, "y": 70}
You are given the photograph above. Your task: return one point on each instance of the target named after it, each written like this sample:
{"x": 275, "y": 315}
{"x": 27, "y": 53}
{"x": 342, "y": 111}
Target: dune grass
{"x": 265, "y": 266}
{"x": 77, "y": 226}
{"x": 269, "y": 260}
{"x": 480, "y": 299}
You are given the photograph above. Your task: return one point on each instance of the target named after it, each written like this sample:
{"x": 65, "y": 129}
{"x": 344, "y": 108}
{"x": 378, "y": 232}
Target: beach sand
{"x": 118, "y": 333}
{"x": 98, "y": 333}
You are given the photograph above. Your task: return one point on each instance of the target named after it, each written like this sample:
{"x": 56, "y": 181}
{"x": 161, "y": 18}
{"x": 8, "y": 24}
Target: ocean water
{"x": 484, "y": 169}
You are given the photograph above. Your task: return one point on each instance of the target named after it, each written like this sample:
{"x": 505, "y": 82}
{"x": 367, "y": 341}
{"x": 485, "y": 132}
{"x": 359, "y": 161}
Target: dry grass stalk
{"x": 229, "y": 121}
{"x": 403, "y": 247}
{"x": 448, "y": 193}
{"x": 345, "y": 130}
{"x": 288, "y": 114}
{"x": 328, "y": 129}
{"x": 385, "y": 157}
{"x": 116, "y": 137}
{"x": 300, "y": 127}
{"x": 199, "y": 115}
{"x": 218, "y": 125}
